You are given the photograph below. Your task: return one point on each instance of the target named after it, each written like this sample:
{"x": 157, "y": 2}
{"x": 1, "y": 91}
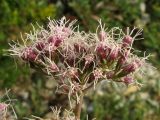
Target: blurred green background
{"x": 35, "y": 93}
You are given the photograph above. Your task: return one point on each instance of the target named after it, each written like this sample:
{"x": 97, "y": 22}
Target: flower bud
{"x": 114, "y": 54}
{"x": 128, "y": 80}
{"x": 103, "y": 51}
{"x": 102, "y": 35}
{"x": 29, "y": 54}
{"x": 121, "y": 61}
{"x": 123, "y": 57}
{"x": 55, "y": 40}
{"x": 131, "y": 67}
{"x": 127, "y": 41}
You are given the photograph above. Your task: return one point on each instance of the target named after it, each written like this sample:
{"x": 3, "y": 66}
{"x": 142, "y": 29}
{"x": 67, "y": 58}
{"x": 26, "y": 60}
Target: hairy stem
{"x": 78, "y": 107}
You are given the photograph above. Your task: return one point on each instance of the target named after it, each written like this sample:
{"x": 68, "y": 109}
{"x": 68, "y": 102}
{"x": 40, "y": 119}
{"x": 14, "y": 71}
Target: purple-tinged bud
{"x": 127, "y": 41}
{"x": 130, "y": 67}
{"x": 128, "y": 80}
{"x": 3, "y": 106}
{"x": 55, "y": 40}
{"x": 40, "y": 45}
{"x": 102, "y": 35}
{"x": 110, "y": 74}
{"x": 103, "y": 51}
{"x": 29, "y": 54}
{"x": 114, "y": 54}
{"x": 121, "y": 61}
{"x": 123, "y": 57}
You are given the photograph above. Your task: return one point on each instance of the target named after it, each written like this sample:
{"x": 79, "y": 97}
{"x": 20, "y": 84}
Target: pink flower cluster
{"x": 3, "y": 107}
{"x": 77, "y": 59}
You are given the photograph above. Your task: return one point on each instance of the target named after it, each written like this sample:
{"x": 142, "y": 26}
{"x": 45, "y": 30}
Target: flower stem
{"x": 78, "y": 107}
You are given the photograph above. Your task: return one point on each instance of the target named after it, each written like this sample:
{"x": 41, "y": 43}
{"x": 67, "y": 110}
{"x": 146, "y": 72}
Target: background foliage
{"x": 110, "y": 103}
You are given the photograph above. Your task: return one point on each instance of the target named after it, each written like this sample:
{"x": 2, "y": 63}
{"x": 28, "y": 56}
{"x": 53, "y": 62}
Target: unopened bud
{"x": 29, "y": 54}
{"x": 55, "y": 40}
{"x": 128, "y": 80}
{"x": 114, "y": 54}
{"x": 130, "y": 67}
{"x": 103, "y": 51}
{"x": 121, "y": 61}
{"x": 127, "y": 41}
{"x": 123, "y": 57}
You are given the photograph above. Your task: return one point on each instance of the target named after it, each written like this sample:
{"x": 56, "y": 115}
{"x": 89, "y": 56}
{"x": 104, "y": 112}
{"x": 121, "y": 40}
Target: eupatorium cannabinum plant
{"x": 78, "y": 60}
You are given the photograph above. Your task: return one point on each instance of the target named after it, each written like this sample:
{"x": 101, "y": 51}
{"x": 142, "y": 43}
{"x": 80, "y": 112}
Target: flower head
{"x": 78, "y": 59}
